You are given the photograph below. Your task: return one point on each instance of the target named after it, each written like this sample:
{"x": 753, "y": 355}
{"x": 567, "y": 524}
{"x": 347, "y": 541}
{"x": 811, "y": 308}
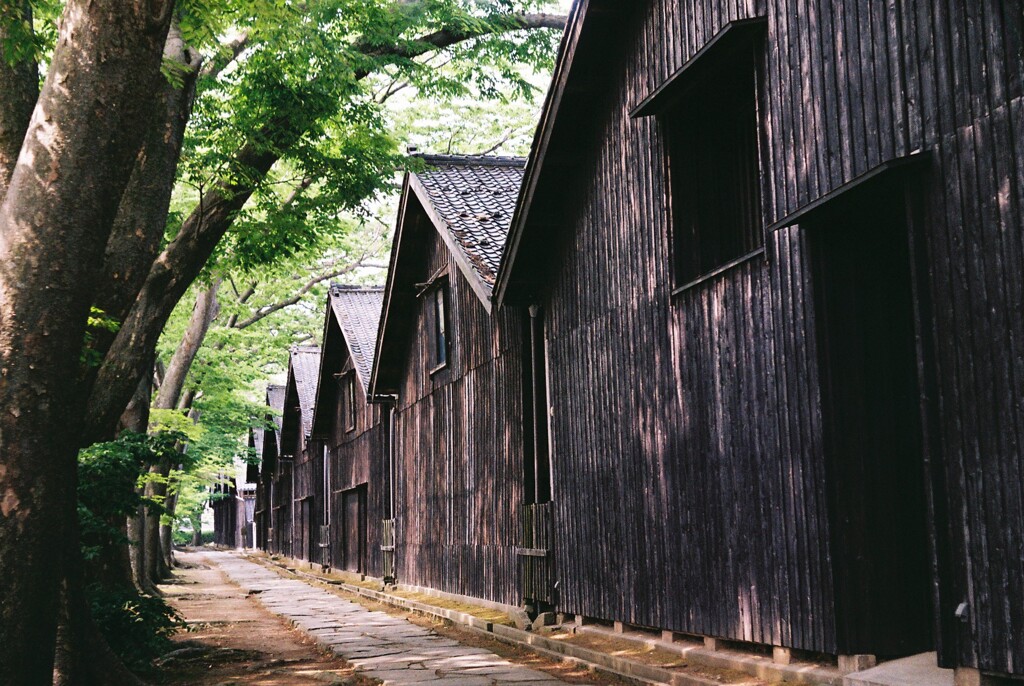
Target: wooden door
{"x": 353, "y": 503}
{"x": 871, "y": 410}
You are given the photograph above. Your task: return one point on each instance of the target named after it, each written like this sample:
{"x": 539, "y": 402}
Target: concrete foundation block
{"x": 781, "y": 656}
{"x": 521, "y": 619}
{"x": 544, "y": 619}
{"x": 710, "y": 643}
{"x": 965, "y": 676}
{"x": 668, "y": 636}
{"x": 618, "y": 627}
{"x": 856, "y": 663}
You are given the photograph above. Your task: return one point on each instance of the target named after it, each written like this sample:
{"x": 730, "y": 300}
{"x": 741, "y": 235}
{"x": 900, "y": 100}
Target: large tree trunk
{"x": 19, "y": 90}
{"x": 136, "y": 419}
{"x": 55, "y": 219}
{"x": 83, "y": 657}
{"x": 142, "y": 214}
{"x": 170, "y": 276}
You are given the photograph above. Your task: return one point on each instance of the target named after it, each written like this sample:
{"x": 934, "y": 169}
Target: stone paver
{"x": 380, "y": 645}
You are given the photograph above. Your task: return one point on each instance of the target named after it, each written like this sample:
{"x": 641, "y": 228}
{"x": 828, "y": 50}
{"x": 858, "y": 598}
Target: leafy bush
{"x": 137, "y": 627}
{"x": 107, "y": 477}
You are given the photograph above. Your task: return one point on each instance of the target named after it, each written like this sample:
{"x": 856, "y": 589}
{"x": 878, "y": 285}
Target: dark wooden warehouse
{"x": 356, "y": 433}
{"x": 453, "y": 369}
{"x": 777, "y": 248}
{"x": 266, "y": 451}
{"x": 305, "y": 455}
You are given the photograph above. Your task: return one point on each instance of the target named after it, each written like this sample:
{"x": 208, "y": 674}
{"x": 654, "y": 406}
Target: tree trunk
{"x": 170, "y": 276}
{"x": 197, "y": 530}
{"x": 142, "y": 214}
{"x": 167, "y": 532}
{"x": 55, "y": 220}
{"x": 203, "y": 314}
{"x": 19, "y": 90}
{"x": 83, "y": 657}
{"x": 136, "y": 418}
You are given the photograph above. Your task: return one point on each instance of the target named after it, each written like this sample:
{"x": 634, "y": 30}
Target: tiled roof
{"x": 358, "y": 312}
{"x": 476, "y": 197}
{"x": 257, "y": 440}
{"x": 305, "y": 371}
{"x": 275, "y": 399}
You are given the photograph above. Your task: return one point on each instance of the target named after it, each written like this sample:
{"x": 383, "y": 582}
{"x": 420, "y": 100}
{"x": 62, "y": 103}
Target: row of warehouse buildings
{"x": 737, "y": 352}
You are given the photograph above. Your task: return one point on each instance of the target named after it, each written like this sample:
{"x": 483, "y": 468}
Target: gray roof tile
{"x": 476, "y": 197}
{"x": 306, "y": 369}
{"x": 358, "y": 311}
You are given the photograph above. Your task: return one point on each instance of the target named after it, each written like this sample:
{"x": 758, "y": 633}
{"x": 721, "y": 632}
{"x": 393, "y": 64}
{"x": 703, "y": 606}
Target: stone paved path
{"x": 380, "y": 645}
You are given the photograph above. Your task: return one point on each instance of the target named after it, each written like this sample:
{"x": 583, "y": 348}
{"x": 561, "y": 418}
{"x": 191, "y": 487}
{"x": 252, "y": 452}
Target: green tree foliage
{"x": 137, "y": 627}
{"x": 104, "y": 469}
{"x": 326, "y": 209}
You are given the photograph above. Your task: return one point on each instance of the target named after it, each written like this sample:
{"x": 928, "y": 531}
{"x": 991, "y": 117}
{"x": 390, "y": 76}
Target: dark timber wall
{"x": 459, "y": 441}
{"x": 689, "y": 442}
{"x": 357, "y": 465}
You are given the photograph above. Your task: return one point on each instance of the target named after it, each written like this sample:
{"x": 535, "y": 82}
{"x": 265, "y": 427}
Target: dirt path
{"x": 232, "y": 639}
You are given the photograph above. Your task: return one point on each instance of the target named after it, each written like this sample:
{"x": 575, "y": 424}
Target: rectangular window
{"x": 708, "y": 112}
{"x": 715, "y": 170}
{"x": 346, "y": 401}
{"x": 440, "y": 328}
{"x": 350, "y": 400}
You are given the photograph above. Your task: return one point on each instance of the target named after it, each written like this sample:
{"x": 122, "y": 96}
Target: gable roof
{"x": 469, "y": 201}
{"x": 300, "y": 393}
{"x": 275, "y": 401}
{"x": 270, "y": 439}
{"x": 586, "y": 46}
{"x": 305, "y": 371}
{"x": 350, "y": 333}
{"x": 357, "y": 310}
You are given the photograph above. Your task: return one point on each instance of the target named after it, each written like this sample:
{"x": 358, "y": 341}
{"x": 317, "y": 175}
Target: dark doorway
{"x": 871, "y": 406}
{"x": 353, "y": 506}
{"x": 536, "y": 513}
{"x": 306, "y": 528}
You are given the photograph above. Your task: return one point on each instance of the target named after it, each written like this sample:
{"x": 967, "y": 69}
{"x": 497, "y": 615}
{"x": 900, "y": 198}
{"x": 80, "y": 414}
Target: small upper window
{"x": 715, "y": 172}
{"x": 440, "y": 326}
{"x": 708, "y": 112}
{"x": 347, "y": 401}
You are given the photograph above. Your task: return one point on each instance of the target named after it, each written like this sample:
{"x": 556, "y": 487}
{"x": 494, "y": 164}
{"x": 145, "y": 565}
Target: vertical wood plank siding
{"x": 688, "y": 436}
{"x": 459, "y": 444}
{"x": 358, "y": 459}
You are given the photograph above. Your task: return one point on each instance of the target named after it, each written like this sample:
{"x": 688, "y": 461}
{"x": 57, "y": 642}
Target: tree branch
{"x": 227, "y": 54}
{"x": 268, "y": 310}
{"x": 180, "y": 263}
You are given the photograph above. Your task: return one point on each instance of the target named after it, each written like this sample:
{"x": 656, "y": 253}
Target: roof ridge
{"x": 355, "y": 288}
{"x": 487, "y": 160}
